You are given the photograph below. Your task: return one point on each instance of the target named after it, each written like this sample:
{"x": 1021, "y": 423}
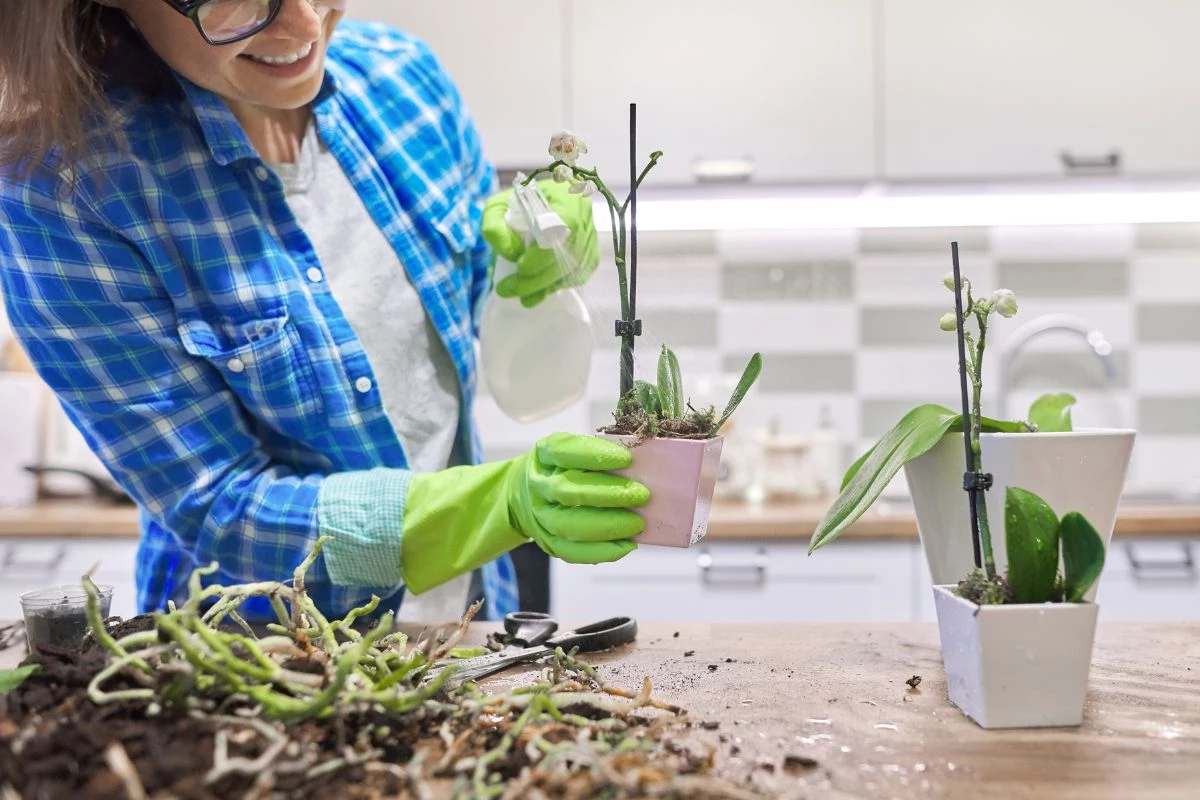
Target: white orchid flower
{"x": 1005, "y": 303}
{"x": 567, "y": 147}
{"x": 563, "y": 173}
{"x": 948, "y": 322}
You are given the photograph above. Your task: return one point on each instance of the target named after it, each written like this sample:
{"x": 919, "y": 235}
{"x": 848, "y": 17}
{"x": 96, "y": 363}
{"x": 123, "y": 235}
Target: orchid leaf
{"x": 986, "y": 425}
{"x": 1031, "y": 541}
{"x": 646, "y": 395}
{"x": 749, "y": 376}
{"x": 670, "y": 384}
{"x": 915, "y": 434}
{"x": 1051, "y": 413}
{"x": 10, "y": 679}
{"x": 1083, "y": 555}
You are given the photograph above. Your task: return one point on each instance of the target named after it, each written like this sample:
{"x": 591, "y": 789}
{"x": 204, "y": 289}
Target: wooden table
{"x": 837, "y": 694}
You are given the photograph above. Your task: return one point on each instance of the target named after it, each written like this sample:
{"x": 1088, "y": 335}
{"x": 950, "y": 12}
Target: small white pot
{"x": 1021, "y": 666}
{"x": 1080, "y": 471}
{"x": 681, "y": 475}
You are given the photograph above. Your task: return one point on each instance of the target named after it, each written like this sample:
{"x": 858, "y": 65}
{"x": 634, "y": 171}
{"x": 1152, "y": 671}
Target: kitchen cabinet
{"x": 784, "y": 87}
{"x": 1026, "y": 88}
{"x": 1147, "y": 580}
{"x": 37, "y": 563}
{"x": 506, "y": 59}
{"x": 743, "y": 582}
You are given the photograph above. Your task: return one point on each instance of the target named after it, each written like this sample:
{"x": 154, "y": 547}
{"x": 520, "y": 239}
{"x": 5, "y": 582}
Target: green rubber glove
{"x": 538, "y": 272}
{"x": 559, "y": 495}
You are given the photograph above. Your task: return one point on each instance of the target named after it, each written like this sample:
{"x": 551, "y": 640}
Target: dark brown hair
{"x": 56, "y": 59}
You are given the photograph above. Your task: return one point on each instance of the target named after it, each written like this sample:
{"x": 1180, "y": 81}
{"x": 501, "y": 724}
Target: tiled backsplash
{"x": 848, "y": 320}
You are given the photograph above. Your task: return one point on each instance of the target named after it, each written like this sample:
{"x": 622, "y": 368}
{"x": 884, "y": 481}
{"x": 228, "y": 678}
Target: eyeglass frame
{"x": 191, "y": 9}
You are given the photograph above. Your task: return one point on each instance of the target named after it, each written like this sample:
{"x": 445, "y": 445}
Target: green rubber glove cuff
{"x": 392, "y": 526}
{"x": 455, "y": 521}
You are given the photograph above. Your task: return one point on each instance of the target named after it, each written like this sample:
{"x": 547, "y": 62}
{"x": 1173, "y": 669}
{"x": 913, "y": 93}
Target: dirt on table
{"x": 56, "y": 743}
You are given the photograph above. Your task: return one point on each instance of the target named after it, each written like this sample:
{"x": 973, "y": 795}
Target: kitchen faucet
{"x": 1045, "y": 324}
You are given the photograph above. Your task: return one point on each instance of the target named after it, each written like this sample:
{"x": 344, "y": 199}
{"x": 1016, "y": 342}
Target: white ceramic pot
{"x": 1021, "y": 666}
{"x": 1080, "y": 471}
{"x": 681, "y": 475}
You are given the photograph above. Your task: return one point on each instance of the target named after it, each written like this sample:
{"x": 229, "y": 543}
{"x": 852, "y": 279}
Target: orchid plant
{"x": 643, "y": 407}
{"x": 1034, "y": 535}
{"x": 566, "y": 149}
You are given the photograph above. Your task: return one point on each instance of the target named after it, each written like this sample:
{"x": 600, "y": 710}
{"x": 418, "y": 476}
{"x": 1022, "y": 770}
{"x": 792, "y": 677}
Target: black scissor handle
{"x": 603, "y": 635}
{"x": 528, "y": 628}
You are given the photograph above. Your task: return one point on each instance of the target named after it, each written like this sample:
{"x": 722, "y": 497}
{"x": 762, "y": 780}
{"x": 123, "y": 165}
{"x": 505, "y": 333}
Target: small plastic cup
{"x": 57, "y": 616}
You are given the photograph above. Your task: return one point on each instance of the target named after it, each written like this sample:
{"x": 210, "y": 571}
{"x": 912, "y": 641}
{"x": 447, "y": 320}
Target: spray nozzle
{"x": 530, "y": 215}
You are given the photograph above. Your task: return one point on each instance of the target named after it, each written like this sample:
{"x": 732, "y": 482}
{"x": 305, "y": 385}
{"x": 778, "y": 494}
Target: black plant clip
{"x": 629, "y": 327}
{"x": 977, "y": 481}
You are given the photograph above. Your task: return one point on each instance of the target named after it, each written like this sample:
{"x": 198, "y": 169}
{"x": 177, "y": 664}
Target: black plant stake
{"x": 628, "y": 328}
{"x": 974, "y": 482}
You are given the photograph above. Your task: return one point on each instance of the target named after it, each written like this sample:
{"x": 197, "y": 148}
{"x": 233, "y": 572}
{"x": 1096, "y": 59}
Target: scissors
{"x": 531, "y": 635}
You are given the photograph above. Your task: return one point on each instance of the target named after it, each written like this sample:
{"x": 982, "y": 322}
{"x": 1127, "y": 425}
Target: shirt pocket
{"x": 264, "y": 362}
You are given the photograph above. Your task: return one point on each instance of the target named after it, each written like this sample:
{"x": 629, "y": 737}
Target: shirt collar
{"x": 222, "y": 132}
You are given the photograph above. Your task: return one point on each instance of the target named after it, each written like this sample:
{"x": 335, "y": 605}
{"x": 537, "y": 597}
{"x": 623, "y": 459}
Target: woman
{"x": 241, "y": 241}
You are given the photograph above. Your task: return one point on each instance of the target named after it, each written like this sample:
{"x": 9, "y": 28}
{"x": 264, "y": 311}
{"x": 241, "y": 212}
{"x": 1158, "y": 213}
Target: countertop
{"x": 837, "y": 694}
{"x": 730, "y": 521}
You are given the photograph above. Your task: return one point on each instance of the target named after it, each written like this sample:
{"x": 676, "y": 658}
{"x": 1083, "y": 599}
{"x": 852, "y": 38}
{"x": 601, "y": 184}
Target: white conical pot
{"x": 1020, "y": 666}
{"x": 1080, "y": 471}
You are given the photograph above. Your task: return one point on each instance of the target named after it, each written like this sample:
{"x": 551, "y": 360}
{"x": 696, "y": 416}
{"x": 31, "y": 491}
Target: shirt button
{"x": 262, "y": 173}
{"x": 314, "y": 274}
{"x": 236, "y": 365}
{"x": 363, "y": 384}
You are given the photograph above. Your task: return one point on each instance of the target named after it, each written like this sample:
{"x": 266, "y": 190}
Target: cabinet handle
{"x": 753, "y": 574}
{"x": 11, "y": 564}
{"x": 1182, "y": 569}
{"x": 1109, "y": 162}
{"x": 723, "y": 170}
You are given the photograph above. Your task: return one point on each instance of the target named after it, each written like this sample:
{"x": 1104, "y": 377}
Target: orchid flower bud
{"x": 948, "y": 282}
{"x": 584, "y": 188}
{"x": 949, "y": 322}
{"x": 1005, "y": 303}
{"x": 562, "y": 173}
{"x": 567, "y": 147}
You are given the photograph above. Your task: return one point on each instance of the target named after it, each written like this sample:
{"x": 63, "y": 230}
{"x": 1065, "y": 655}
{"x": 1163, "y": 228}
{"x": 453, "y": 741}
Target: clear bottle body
{"x": 536, "y": 361}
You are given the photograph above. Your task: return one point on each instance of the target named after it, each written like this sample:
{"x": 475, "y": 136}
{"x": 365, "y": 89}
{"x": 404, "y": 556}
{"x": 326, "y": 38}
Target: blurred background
{"x": 820, "y": 158}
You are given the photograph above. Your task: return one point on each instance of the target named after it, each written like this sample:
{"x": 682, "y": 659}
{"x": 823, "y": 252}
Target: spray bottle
{"x": 536, "y": 361}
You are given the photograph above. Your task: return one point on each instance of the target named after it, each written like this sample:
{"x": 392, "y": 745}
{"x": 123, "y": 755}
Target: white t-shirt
{"x": 415, "y": 375}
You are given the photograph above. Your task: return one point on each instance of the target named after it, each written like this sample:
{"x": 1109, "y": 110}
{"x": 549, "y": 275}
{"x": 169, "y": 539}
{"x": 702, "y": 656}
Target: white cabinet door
{"x": 1014, "y": 88}
{"x": 1151, "y": 580}
{"x": 506, "y": 59}
{"x": 783, "y": 84}
{"x": 743, "y": 582}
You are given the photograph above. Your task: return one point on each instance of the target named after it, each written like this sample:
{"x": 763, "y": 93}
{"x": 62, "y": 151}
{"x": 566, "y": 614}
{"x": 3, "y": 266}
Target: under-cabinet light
{"x": 878, "y": 211}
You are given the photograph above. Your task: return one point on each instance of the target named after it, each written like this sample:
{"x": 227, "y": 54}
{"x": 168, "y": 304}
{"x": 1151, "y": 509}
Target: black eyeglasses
{"x": 229, "y": 21}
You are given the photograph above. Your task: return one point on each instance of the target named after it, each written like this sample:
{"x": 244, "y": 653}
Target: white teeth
{"x": 280, "y": 60}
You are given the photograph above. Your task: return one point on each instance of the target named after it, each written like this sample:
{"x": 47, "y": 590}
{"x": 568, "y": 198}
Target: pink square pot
{"x": 681, "y": 475}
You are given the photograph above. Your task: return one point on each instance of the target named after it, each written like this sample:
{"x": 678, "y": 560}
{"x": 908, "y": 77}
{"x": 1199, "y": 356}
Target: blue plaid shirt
{"x": 178, "y": 310}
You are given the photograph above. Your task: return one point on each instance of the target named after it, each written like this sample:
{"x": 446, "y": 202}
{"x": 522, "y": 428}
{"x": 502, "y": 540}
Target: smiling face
{"x": 279, "y": 68}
